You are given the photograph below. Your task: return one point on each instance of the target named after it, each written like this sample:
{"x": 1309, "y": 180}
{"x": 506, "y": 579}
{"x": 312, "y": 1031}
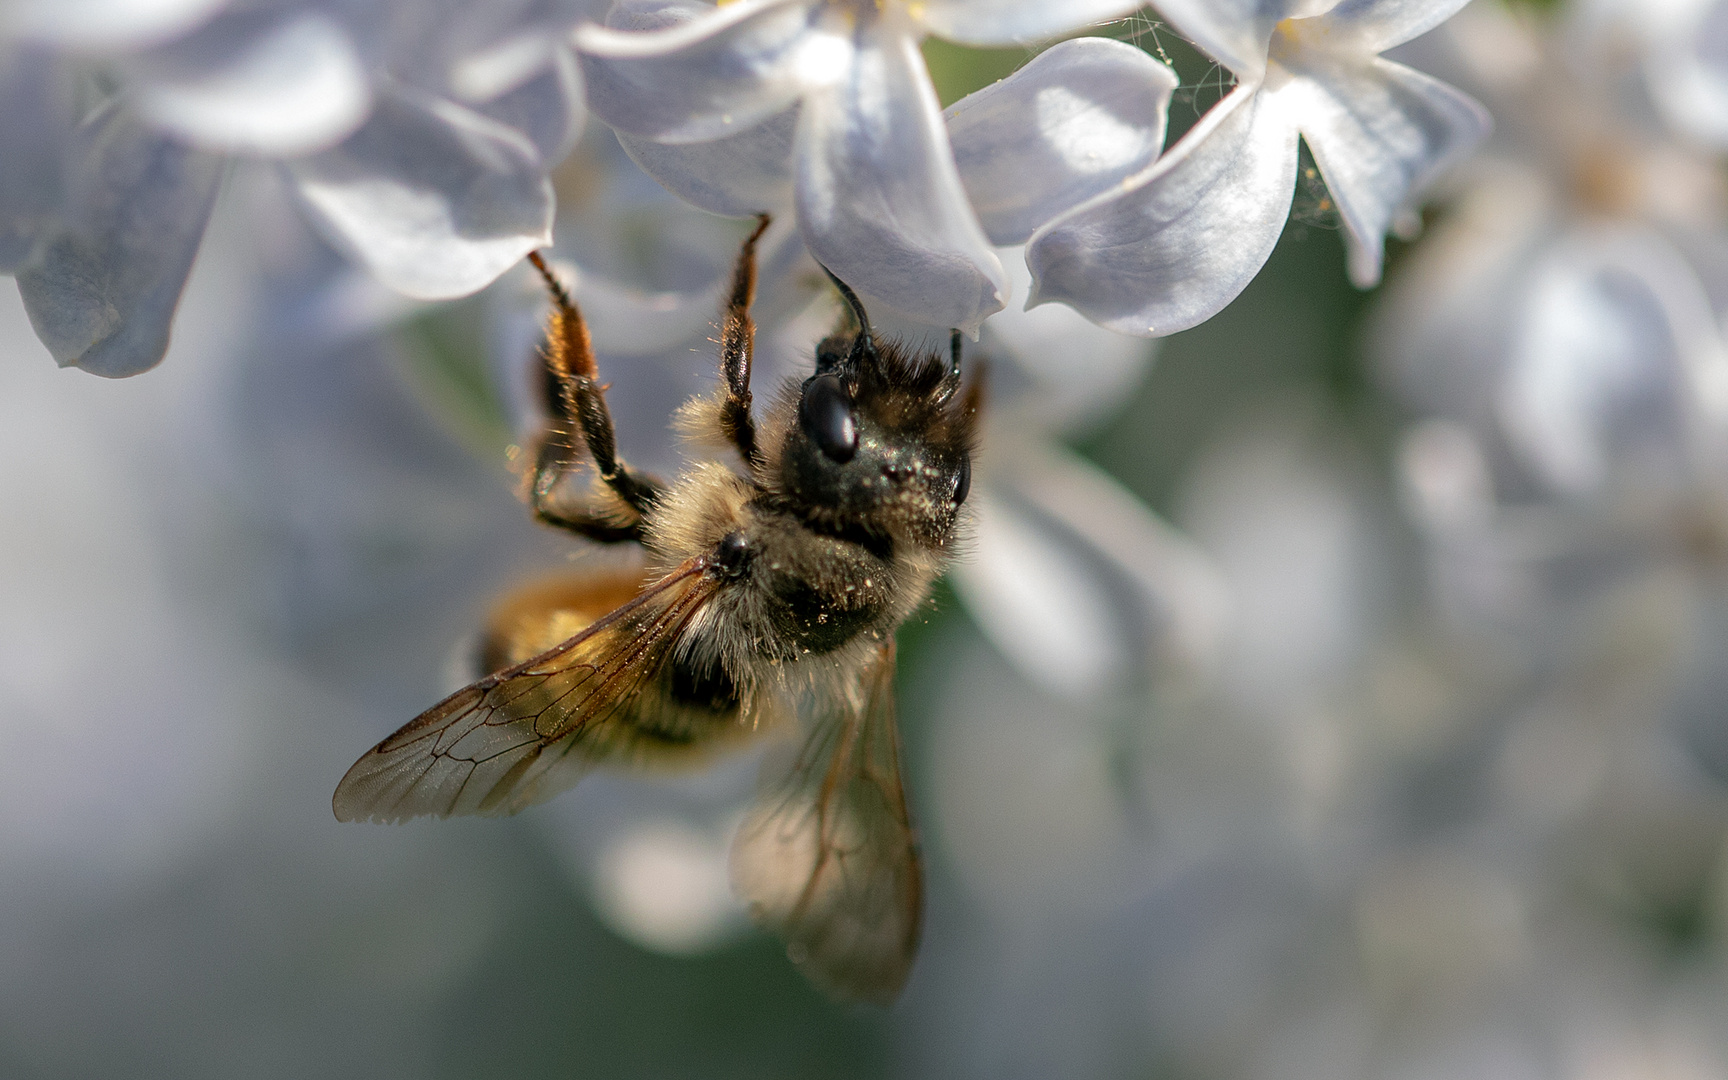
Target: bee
{"x": 774, "y": 587}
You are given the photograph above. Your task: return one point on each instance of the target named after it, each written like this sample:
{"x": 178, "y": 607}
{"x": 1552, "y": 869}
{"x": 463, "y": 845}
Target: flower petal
{"x": 36, "y": 130}
{"x": 1074, "y": 122}
{"x": 1186, "y": 236}
{"x": 1183, "y": 591}
{"x": 1381, "y": 24}
{"x": 1687, "y": 70}
{"x": 259, "y": 82}
{"x": 434, "y": 199}
{"x": 644, "y": 15}
{"x": 103, "y": 289}
{"x": 741, "y": 174}
{"x": 1029, "y": 591}
{"x": 1236, "y": 33}
{"x": 1440, "y": 324}
{"x": 708, "y": 77}
{"x": 1075, "y": 580}
{"x": 1063, "y": 372}
{"x": 1380, "y": 133}
{"x": 1008, "y": 22}
{"x": 546, "y": 107}
{"x": 879, "y": 199}
{"x": 1605, "y": 368}
{"x": 102, "y": 25}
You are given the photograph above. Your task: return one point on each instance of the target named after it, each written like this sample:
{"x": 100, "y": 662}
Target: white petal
{"x": 879, "y": 199}
{"x": 623, "y": 319}
{"x": 651, "y": 260}
{"x": 1063, "y": 371}
{"x": 1236, "y": 33}
{"x": 641, "y": 15}
{"x": 1008, "y": 22}
{"x": 434, "y": 199}
{"x": 464, "y": 50}
{"x": 1075, "y": 580}
{"x": 509, "y": 59}
{"x": 1183, "y": 590}
{"x": 1029, "y": 590}
{"x": 1687, "y": 70}
{"x": 1074, "y": 122}
{"x": 1441, "y": 324}
{"x": 1605, "y": 368}
{"x": 1380, "y": 133}
{"x": 103, "y": 24}
{"x": 1183, "y": 238}
{"x": 1380, "y": 24}
{"x": 742, "y": 174}
{"x": 103, "y": 289}
{"x": 705, "y": 78}
{"x": 546, "y": 107}
{"x": 36, "y": 138}
{"x": 259, "y": 82}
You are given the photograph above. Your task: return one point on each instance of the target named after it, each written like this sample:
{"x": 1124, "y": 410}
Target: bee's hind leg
{"x": 576, "y": 405}
{"x": 737, "y": 346}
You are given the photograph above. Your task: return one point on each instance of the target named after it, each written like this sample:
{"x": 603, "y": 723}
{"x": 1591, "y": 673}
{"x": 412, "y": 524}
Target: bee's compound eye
{"x": 963, "y": 479}
{"x": 825, "y": 414}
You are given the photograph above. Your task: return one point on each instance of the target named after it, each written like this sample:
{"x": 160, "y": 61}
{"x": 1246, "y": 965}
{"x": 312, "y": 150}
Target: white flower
{"x": 1183, "y": 237}
{"x": 837, "y": 116}
{"x": 417, "y": 135}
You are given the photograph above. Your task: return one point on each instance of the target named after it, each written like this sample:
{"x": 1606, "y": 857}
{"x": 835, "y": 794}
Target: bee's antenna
{"x": 951, "y": 381}
{"x": 863, "y": 343}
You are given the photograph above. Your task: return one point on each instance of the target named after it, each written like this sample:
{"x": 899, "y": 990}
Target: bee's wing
{"x": 496, "y": 746}
{"x": 827, "y": 857}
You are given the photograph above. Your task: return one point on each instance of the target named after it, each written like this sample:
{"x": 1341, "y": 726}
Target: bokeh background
{"x": 1431, "y": 785}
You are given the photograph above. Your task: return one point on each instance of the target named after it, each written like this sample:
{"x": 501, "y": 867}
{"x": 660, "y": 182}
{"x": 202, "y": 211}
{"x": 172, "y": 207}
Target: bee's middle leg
{"x": 575, "y": 402}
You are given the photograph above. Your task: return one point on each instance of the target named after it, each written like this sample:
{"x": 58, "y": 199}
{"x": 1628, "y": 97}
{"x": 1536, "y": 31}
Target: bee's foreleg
{"x": 737, "y": 345}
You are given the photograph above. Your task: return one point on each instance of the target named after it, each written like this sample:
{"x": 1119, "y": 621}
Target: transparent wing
{"x": 505, "y": 742}
{"x": 827, "y": 857}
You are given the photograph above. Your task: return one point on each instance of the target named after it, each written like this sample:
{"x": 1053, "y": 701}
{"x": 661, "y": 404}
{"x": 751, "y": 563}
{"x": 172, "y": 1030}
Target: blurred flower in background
{"x": 417, "y": 136}
{"x": 1338, "y": 695}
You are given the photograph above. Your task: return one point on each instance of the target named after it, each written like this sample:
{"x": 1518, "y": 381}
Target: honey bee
{"x": 774, "y": 588}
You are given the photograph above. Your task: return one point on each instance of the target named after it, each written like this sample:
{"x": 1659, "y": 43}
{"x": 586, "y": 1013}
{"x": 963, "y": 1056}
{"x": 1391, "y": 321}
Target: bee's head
{"x": 882, "y": 439}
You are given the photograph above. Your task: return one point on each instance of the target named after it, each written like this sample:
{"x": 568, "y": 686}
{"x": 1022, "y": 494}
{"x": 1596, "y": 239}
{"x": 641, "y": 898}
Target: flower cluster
{"x": 419, "y": 139}
{"x": 417, "y": 136}
{"x": 826, "y": 107}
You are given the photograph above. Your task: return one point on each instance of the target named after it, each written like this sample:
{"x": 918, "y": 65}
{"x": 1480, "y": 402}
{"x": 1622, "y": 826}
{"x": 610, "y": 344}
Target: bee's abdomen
{"x": 682, "y": 715}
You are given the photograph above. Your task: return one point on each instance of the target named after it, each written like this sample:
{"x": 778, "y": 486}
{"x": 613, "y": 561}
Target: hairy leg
{"x": 737, "y": 346}
{"x": 576, "y": 403}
